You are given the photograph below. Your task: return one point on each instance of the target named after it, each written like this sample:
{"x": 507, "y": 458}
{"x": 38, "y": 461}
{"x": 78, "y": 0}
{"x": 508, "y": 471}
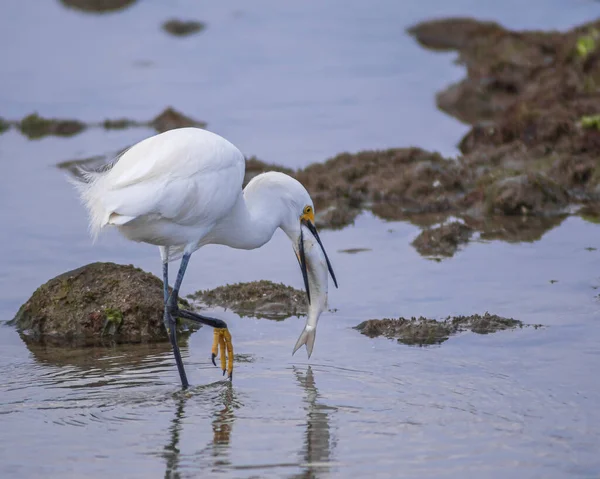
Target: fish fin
{"x": 307, "y": 337}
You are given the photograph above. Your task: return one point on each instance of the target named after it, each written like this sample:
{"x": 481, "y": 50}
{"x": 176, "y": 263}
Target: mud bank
{"x": 423, "y": 331}
{"x": 97, "y": 304}
{"x": 34, "y": 126}
{"x": 257, "y": 299}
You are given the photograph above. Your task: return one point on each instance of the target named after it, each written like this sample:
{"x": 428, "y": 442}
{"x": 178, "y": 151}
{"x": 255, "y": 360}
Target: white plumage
{"x": 182, "y": 189}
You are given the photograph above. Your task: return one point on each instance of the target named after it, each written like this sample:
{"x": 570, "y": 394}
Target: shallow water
{"x": 292, "y": 85}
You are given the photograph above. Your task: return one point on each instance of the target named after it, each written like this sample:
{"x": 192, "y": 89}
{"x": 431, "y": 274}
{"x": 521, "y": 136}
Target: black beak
{"x": 311, "y": 227}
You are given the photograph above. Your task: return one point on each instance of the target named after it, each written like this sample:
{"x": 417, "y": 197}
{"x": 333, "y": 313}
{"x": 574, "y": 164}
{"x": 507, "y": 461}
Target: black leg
{"x": 166, "y": 282}
{"x": 198, "y": 318}
{"x": 182, "y": 313}
{"x": 172, "y": 311}
{"x": 168, "y": 318}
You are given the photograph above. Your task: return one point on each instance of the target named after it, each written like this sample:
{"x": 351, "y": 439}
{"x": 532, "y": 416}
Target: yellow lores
{"x": 308, "y": 214}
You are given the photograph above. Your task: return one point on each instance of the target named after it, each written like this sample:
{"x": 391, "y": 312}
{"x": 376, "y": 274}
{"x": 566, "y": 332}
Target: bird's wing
{"x": 189, "y": 176}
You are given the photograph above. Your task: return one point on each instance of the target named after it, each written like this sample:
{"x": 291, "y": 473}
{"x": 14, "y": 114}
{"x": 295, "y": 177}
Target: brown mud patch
{"x": 97, "y": 304}
{"x": 443, "y": 240}
{"x": 98, "y": 6}
{"x": 423, "y": 331}
{"x": 183, "y": 28}
{"x": 257, "y": 299}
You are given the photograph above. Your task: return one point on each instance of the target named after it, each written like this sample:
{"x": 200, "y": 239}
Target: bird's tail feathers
{"x": 87, "y": 183}
{"x": 307, "y": 337}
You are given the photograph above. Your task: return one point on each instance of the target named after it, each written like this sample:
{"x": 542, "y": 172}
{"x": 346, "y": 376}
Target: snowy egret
{"x": 181, "y": 190}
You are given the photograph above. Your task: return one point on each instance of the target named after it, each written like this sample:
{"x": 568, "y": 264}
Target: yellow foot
{"x": 222, "y": 341}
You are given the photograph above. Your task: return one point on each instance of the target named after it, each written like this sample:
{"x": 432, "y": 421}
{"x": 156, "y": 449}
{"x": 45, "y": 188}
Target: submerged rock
{"x": 258, "y": 299}
{"x": 34, "y": 126}
{"x": 93, "y": 305}
{"x": 423, "y": 331}
{"x": 4, "y": 125}
{"x": 120, "y": 124}
{"x": 98, "y": 6}
{"x": 443, "y": 240}
{"x": 182, "y": 28}
{"x": 170, "y": 119}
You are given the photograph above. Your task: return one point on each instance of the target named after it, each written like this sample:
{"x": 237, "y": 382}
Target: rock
{"x": 4, "y": 125}
{"x": 181, "y": 28}
{"x": 413, "y": 180}
{"x": 443, "y": 240}
{"x": 258, "y": 299}
{"x": 93, "y": 305}
{"x": 120, "y": 124}
{"x": 423, "y": 331}
{"x": 531, "y": 194}
{"x": 98, "y": 6}
{"x": 452, "y": 33}
{"x": 354, "y": 250}
{"x": 255, "y": 167}
{"x": 34, "y": 126}
{"x": 171, "y": 119}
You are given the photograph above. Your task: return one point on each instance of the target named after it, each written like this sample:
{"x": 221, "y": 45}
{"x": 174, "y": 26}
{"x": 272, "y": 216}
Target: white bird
{"x": 181, "y": 190}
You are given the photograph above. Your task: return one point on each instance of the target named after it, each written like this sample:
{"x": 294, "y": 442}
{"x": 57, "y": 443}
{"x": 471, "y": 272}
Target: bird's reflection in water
{"x": 171, "y": 452}
{"x": 318, "y": 442}
{"x": 225, "y": 403}
{"x": 221, "y": 426}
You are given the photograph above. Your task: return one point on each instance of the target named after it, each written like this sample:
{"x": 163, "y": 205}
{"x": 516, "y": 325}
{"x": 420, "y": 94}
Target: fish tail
{"x": 307, "y": 337}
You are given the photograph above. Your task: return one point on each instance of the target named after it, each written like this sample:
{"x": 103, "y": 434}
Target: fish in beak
{"x": 314, "y": 264}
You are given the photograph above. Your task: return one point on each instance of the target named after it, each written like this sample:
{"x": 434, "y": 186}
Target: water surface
{"x": 292, "y": 84}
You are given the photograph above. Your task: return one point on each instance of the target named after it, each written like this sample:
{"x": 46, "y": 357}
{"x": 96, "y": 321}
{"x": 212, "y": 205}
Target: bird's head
{"x": 296, "y": 212}
{"x": 299, "y": 225}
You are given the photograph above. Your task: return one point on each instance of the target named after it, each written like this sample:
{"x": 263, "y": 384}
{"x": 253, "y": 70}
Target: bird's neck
{"x": 250, "y": 224}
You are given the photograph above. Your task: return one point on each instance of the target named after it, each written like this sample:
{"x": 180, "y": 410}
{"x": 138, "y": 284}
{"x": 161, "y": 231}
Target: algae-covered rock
{"x": 93, "y": 305}
{"x": 182, "y": 28}
{"x": 170, "y": 119}
{"x": 423, "y": 331}
{"x": 4, "y": 125}
{"x": 98, "y": 6}
{"x": 34, "y": 126}
{"x": 120, "y": 124}
{"x": 258, "y": 299}
{"x": 443, "y": 240}
{"x": 532, "y": 194}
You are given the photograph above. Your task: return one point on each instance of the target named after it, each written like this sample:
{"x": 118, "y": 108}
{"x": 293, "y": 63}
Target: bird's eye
{"x": 307, "y": 210}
